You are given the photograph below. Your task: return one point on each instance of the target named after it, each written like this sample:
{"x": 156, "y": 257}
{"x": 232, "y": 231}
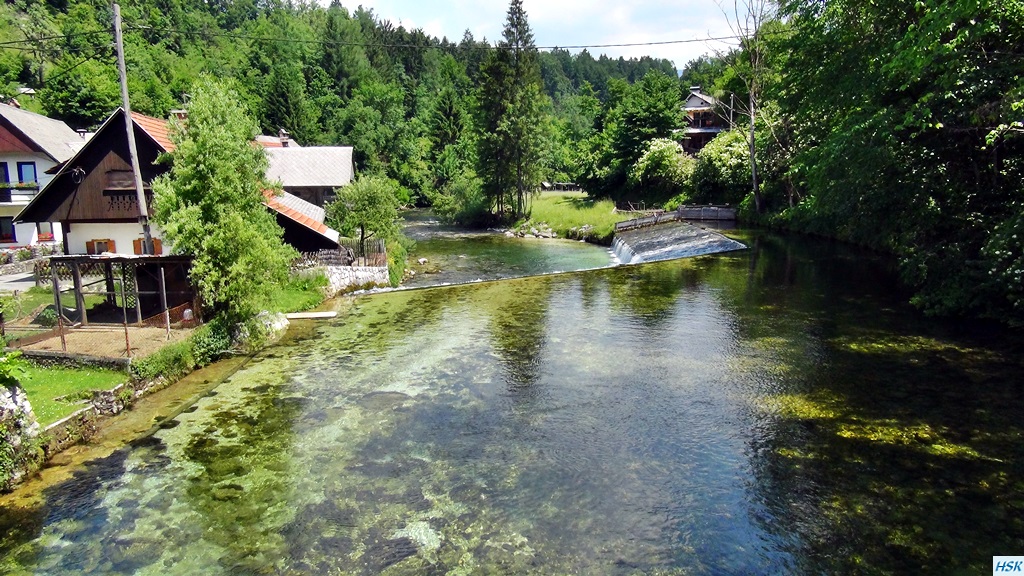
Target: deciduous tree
{"x": 210, "y": 205}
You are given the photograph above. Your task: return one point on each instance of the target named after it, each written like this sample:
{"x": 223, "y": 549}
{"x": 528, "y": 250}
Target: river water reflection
{"x": 774, "y": 410}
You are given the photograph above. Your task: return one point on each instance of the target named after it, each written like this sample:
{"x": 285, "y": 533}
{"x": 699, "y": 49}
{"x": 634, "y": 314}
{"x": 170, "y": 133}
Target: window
{"x": 27, "y": 172}
{"x": 45, "y": 231}
{"x": 7, "y": 230}
{"x": 100, "y": 246}
{"x": 5, "y": 182}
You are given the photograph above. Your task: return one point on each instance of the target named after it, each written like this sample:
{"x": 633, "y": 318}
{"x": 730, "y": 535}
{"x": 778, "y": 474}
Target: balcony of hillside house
{"x": 17, "y": 192}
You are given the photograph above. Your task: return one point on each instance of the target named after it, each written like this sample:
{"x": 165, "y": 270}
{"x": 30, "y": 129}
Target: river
{"x": 766, "y": 411}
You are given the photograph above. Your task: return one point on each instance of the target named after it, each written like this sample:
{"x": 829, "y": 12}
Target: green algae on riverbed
{"x": 766, "y": 412}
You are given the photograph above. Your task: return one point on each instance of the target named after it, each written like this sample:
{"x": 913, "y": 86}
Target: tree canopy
{"x": 210, "y": 205}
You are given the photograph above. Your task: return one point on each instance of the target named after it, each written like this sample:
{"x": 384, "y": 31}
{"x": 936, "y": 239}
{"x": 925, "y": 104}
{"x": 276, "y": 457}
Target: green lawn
{"x": 564, "y": 210}
{"x": 298, "y": 295}
{"x": 44, "y": 385}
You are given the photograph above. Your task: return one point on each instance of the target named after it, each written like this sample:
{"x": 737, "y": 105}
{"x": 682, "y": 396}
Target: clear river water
{"x": 775, "y": 410}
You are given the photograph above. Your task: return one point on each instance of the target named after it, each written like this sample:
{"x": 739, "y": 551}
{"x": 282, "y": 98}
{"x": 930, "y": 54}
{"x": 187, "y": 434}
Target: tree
{"x": 747, "y": 22}
{"x": 83, "y": 94}
{"x": 663, "y": 171}
{"x": 510, "y": 143}
{"x": 367, "y": 207}
{"x": 632, "y": 117}
{"x": 210, "y": 205}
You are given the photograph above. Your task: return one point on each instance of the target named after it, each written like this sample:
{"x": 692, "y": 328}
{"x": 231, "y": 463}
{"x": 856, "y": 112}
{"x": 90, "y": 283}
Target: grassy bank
{"x": 44, "y": 385}
{"x": 568, "y": 212}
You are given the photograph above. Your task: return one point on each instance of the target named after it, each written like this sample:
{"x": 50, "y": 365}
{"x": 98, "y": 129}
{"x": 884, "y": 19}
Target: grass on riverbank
{"x": 563, "y": 211}
{"x": 44, "y": 385}
{"x": 301, "y": 293}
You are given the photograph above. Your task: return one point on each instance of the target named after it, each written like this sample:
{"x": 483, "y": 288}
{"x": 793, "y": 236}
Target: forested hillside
{"x": 406, "y": 101}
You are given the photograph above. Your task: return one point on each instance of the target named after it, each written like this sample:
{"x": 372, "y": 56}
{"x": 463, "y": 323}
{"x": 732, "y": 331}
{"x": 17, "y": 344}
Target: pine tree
{"x": 511, "y": 118}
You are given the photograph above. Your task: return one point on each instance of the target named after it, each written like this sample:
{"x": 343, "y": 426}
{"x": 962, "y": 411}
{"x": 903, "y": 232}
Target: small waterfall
{"x": 669, "y": 241}
{"x": 622, "y": 253}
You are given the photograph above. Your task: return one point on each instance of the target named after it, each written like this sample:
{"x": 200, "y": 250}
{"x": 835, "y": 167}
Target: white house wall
{"x": 123, "y": 235}
{"x": 25, "y": 233}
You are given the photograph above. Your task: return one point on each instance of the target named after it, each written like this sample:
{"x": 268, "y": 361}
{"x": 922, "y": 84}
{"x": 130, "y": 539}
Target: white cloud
{"x": 571, "y": 23}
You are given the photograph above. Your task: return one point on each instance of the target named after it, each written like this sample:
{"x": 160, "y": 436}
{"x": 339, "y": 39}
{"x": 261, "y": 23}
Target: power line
{"x": 235, "y": 36}
{"x": 31, "y": 41}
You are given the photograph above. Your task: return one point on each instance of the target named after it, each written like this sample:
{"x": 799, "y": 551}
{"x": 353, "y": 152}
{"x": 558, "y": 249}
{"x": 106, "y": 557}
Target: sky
{"x": 572, "y": 22}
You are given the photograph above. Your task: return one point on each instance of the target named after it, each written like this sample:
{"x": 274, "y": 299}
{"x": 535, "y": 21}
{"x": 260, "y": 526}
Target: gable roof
{"x": 699, "y": 101}
{"x": 35, "y": 211}
{"x": 157, "y": 129}
{"x": 314, "y": 166}
{"x": 295, "y": 209}
{"x": 53, "y": 137}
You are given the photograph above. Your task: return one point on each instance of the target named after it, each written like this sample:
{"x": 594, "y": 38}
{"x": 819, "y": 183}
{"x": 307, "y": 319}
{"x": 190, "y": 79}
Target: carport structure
{"x": 140, "y": 290}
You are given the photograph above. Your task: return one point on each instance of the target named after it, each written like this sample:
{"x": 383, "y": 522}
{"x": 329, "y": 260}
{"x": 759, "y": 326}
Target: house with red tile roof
{"x": 93, "y": 195}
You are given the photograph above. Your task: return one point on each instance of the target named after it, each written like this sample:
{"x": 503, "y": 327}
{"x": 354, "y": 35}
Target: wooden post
{"x": 138, "y": 301}
{"x": 140, "y": 193}
{"x": 56, "y": 303}
{"x": 163, "y": 302}
{"x": 76, "y": 275}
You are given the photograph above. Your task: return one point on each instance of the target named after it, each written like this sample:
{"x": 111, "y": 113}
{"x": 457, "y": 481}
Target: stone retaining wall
{"x": 81, "y": 426}
{"x": 347, "y": 278}
{"x": 23, "y": 267}
{"x": 20, "y": 454}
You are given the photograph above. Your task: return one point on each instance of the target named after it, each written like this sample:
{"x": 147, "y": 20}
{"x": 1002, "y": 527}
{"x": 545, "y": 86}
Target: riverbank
{"x": 574, "y": 215}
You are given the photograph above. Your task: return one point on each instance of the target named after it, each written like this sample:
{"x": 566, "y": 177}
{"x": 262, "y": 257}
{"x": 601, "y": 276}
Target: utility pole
{"x": 133, "y": 153}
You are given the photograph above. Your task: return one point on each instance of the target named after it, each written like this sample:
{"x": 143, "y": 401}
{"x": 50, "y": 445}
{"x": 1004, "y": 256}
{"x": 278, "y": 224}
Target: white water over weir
{"x": 669, "y": 241}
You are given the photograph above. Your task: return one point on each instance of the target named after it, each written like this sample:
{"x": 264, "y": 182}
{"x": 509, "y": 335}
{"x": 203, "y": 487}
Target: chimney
{"x": 81, "y": 133}
{"x": 695, "y": 89}
{"x": 179, "y": 115}
{"x": 282, "y": 134}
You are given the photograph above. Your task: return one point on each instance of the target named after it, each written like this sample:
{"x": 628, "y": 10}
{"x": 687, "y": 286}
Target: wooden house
{"x": 93, "y": 194}
{"x": 703, "y": 121}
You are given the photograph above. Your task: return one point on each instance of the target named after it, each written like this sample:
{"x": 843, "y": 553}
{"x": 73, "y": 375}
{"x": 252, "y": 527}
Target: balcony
{"x": 17, "y": 192}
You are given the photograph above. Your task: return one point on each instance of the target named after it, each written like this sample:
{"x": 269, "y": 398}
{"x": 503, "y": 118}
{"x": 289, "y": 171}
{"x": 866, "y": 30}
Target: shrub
{"x": 172, "y": 361}
{"x": 663, "y": 171}
{"x": 722, "y": 172}
{"x": 398, "y": 253}
{"x": 47, "y": 318}
{"x": 210, "y": 342}
{"x": 462, "y": 201}
{"x": 23, "y": 254}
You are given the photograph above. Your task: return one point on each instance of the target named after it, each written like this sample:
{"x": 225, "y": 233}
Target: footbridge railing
{"x": 682, "y": 213}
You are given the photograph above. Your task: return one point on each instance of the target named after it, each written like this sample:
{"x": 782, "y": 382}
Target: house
{"x": 30, "y": 144}
{"x": 702, "y": 120}
{"x": 93, "y": 195}
{"x": 311, "y": 173}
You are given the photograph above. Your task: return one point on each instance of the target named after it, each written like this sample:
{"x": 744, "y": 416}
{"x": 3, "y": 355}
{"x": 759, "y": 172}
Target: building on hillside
{"x": 93, "y": 194}
{"x": 312, "y": 173}
{"x": 30, "y": 144}
{"x": 703, "y": 121}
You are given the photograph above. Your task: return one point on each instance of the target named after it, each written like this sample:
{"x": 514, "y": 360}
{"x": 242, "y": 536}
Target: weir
{"x": 669, "y": 241}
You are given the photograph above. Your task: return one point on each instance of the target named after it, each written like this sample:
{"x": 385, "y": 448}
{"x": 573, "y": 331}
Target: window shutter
{"x": 111, "y": 247}
{"x": 137, "y": 246}
{"x": 90, "y": 247}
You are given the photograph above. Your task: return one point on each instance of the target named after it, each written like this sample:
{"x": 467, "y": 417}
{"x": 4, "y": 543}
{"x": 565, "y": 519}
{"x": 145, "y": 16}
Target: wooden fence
{"x": 349, "y": 253}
